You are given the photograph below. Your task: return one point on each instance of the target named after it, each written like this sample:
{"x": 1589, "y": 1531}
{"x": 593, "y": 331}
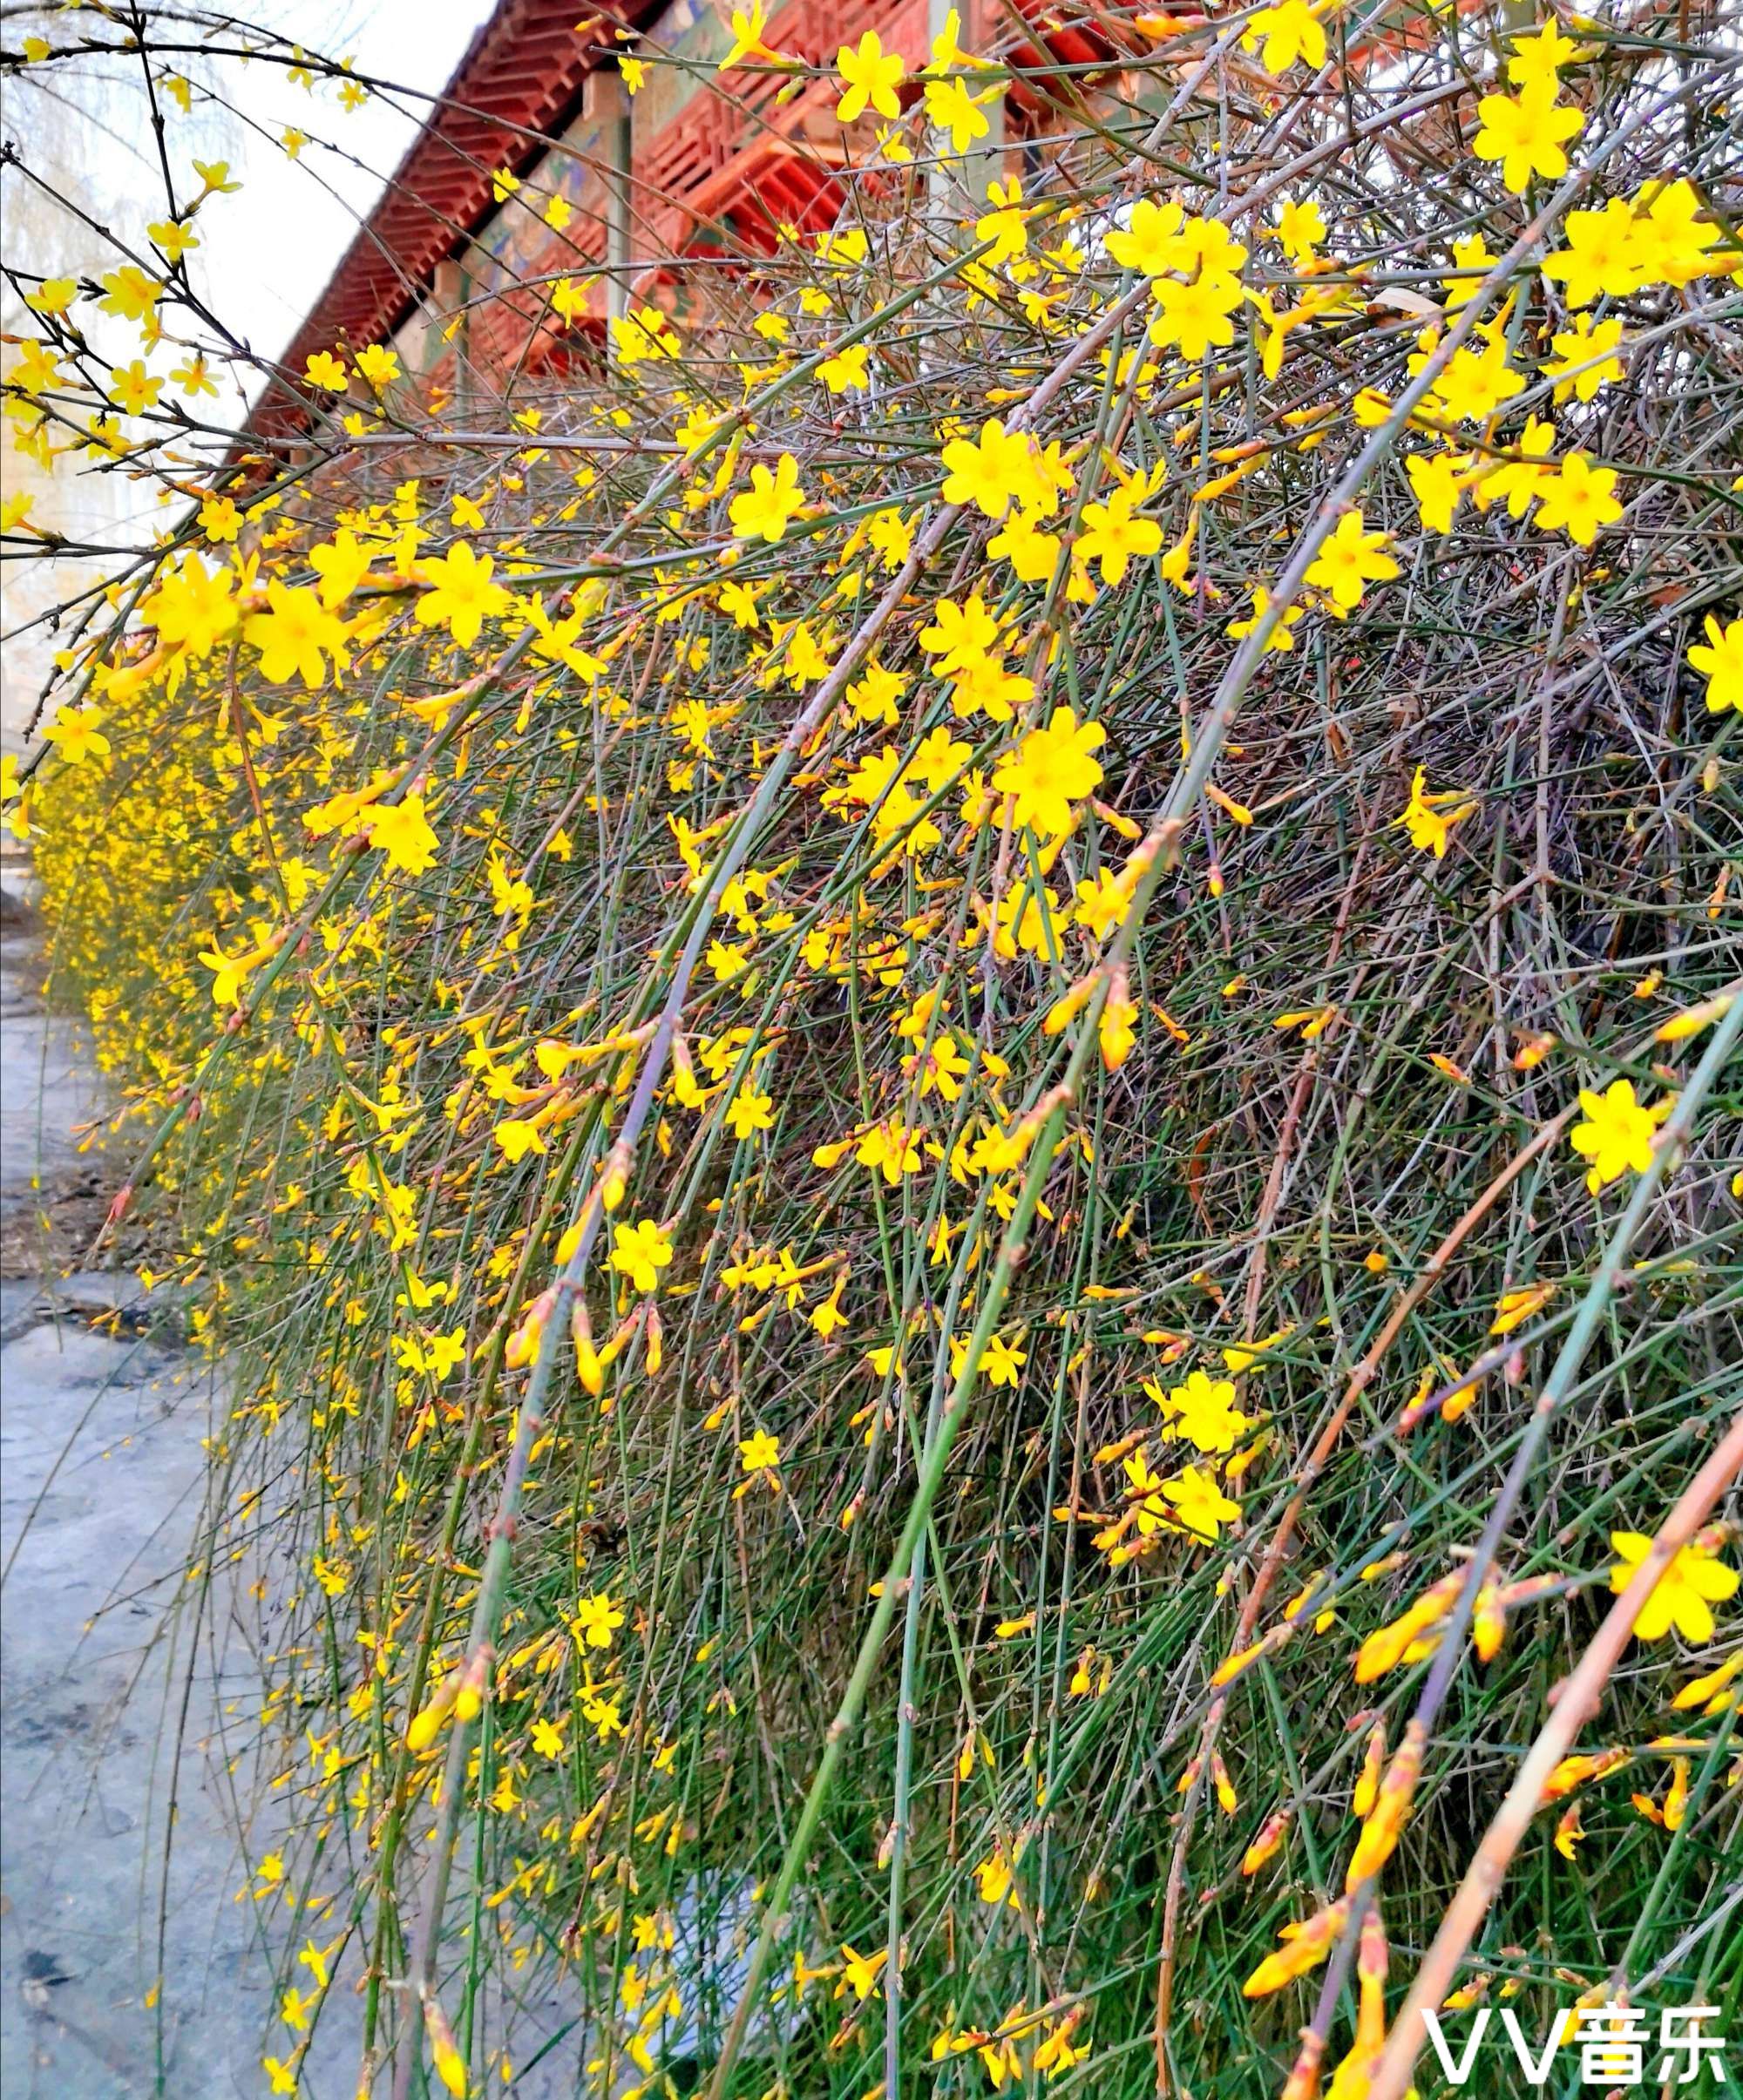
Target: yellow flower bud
{"x": 1304, "y": 1946}
{"x": 450, "y": 2069}
{"x": 1384, "y": 1826}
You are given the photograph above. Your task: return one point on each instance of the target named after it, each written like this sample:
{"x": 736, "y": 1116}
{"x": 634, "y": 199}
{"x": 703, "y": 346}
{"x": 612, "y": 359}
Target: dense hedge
{"x": 962, "y": 1143}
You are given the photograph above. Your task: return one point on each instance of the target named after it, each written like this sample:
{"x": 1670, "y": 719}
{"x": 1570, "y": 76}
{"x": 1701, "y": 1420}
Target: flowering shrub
{"x": 949, "y": 1055}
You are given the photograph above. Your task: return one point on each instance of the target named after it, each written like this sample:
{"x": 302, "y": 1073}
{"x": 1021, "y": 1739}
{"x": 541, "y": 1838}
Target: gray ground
{"x": 118, "y": 1710}
{"x": 101, "y": 1476}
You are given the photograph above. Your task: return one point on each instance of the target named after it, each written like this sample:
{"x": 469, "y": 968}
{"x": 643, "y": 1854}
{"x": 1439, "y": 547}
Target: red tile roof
{"x": 732, "y": 164}
{"x": 518, "y": 82}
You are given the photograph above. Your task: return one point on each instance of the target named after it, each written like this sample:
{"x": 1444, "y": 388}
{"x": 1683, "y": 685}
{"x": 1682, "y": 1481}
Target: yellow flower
{"x": 402, "y": 832}
{"x": 1719, "y": 659}
{"x": 76, "y": 736}
{"x": 1429, "y": 817}
{"x": 1538, "y": 59}
{"x": 1525, "y": 132}
{"x": 1197, "y": 317}
{"x": 859, "y": 1972}
{"x": 1300, "y": 228}
{"x": 1684, "y": 1595}
{"x": 747, "y": 36}
{"x": 1587, "y": 355}
{"x": 993, "y": 471}
{"x": 1002, "y": 1362}
{"x": 749, "y": 1110}
{"x": 1054, "y": 2054}
{"x": 759, "y": 1453}
{"x": 1150, "y": 241}
{"x": 1668, "y": 237}
{"x": 1600, "y": 256}
{"x": 1290, "y": 30}
{"x": 325, "y": 370}
{"x": 379, "y": 366}
{"x": 173, "y": 238}
{"x": 1049, "y": 771}
{"x": 643, "y": 334}
{"x": 133, "y": 389}
{"x": 870, "y": 77}
{"x": 1204, "y": 1412}
{"x": 640, "y": 1252}
{"x": 220, "y": 520}
{"x": 1281, "y": 637}
{"x": 1200, "y": 1506}
{"x": 52, "y": 295}
{"x": 847, "y": 371}
{"x": 1006, "y": 225}
{"x": 827, "y": 1316}
{"x": 597, "y": 1618}
{"x": 959, "y": 635}
{"x": 1112, "y": 536}
{"x": 996, "y": 1879}
{"x": 951, "y": 108}
{"x": 214, "y": 176}
{"x": 1577, "y": 500}
{"x": 765, "y": 510}
{"x": 462, "y": 596}
{"x": 131, "y": 294}
{"x": 1473, "y": 383}
{"x": 193, "y": 606}
{"x": 230, "y": 971}
{"x": 1616, "y": 1135}
{"x": 296, "y": 637}
{"x": 1437, "y": 481}
{"x": 1349, "y": 560}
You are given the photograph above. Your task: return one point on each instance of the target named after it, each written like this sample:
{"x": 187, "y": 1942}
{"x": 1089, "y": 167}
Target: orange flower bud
{"x": 1676, "y": 1802}
{"x": 1304, "y": 1946}
{"x": 1577, "y": 1770}
{"x": 1381, "y": 1831}
{"x": 426, "y": 1723}
{"x": 1385, "y": 1648}
{"x": 523, "y": 1344}
{"x": 1354, "y": 2076}
{"x": 450, "y": 2066}
{"x": 1228, "y": 1670}
{"x": 469, "y": 1696}
{"x": 1115, "y": 1029}
{"x": 1264, "y": 1846}
{"x": 588, "y": 1367}
{"x": 1489, "y": 1624}
{"x": 1065, "y": 1009}
{"x": 1368, "y": 1781}
{"x": 1303, "y": 2082}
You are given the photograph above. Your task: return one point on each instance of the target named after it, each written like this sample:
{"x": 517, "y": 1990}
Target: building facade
{"x": 694, "y": 167}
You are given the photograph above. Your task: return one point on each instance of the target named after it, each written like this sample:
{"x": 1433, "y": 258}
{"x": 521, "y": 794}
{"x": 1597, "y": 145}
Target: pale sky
{"x": 309, "y": 208}
{"x": 265, "y": 253}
